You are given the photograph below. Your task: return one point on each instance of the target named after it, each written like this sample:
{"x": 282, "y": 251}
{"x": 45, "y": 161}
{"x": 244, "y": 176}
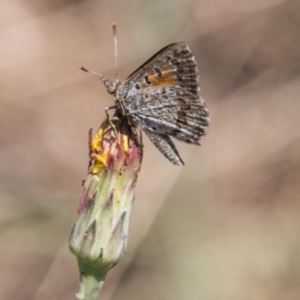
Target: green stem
{"x": 89, "y": 287}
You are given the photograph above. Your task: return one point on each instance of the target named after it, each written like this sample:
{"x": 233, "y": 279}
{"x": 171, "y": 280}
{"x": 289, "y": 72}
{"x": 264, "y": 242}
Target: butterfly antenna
{"x": 91, "y": 72}
{"x": 111, "y": 85}
{"x": 115, "y": 48}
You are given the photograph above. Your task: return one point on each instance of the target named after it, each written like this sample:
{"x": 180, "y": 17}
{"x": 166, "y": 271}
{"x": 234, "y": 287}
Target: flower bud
{"x": 99, "y": 236}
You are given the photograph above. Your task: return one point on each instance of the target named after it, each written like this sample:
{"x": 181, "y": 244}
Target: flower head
{"x": 99, "y": 236}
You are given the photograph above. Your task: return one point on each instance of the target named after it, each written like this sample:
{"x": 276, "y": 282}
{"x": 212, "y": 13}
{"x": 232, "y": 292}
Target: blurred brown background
{"x": 224, "y": 227}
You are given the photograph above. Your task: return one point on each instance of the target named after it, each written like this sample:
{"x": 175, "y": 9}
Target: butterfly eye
{"x": 111, "y": 89}
{"x": 112, "y": 86}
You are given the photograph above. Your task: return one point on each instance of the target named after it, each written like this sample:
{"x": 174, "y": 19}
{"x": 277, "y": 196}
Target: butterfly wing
{"x": 162, "y": 97}
{"x": 175, "y": 64}
{"x": 169, "y": 111}
{"x": 165, "y": 145}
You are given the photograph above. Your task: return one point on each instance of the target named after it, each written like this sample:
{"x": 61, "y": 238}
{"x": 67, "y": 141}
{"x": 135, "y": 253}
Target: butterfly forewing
{"x": 173, "y": 65}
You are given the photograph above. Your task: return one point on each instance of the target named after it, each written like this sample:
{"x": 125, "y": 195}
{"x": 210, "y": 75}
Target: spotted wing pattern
{"x": 175, "y": 64}
{"x": 162, "y": 97}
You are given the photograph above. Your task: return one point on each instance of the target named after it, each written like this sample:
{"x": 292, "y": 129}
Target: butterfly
{"x": 162, "y": 97}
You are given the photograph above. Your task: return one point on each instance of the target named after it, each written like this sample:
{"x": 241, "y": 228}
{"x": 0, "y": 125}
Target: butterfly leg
{"x": 110, "y": 119}
{"x": 137, "y": 138}
{"x": 109, "y": 108}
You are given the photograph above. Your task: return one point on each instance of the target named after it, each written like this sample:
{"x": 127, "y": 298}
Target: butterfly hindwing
{"x": 165, "y": 146}
{"x": 170, "y": 110}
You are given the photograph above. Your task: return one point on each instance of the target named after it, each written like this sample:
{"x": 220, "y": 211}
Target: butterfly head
{"x": 111, "y": 85}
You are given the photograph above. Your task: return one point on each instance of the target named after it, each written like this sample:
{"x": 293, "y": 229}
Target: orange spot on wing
{"x": 168, "y": 78}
